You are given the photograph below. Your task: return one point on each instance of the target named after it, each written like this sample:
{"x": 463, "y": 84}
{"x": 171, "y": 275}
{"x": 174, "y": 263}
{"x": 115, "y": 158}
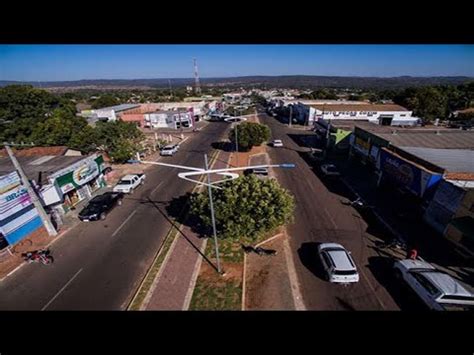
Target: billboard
{"x": 18, "y": 216}
{"x": 405, "y": 173}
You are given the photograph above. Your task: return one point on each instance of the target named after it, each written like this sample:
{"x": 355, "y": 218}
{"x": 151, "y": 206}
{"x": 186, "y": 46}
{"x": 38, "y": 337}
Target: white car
{"x": 338, "y": 263}
{"x": 277, "y": 143}
{"x": 330, "y": 170}
{"x": 169, "y": 150}
{"x": 438, "y": 290}
{"x": 128, "y": 183}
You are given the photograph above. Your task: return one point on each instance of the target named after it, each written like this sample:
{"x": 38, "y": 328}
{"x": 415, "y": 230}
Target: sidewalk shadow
{"x": 308, "y": 254}
{"x": 178, "y": 208}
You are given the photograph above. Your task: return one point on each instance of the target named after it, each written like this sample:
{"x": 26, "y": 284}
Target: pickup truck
{"x": 128, "y": 183}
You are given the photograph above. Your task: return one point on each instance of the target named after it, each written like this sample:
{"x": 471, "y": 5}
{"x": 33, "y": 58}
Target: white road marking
{"x": 118, "y": 229}
{"x": 61, "y": 290}
{"x": 156, "y": 188}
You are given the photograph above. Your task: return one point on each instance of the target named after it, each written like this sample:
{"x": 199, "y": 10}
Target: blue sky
{"x": 75, "y": 62}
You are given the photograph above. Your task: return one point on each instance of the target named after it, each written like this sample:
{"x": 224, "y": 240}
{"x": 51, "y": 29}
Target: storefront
{"x": 406, "y": 175}
{"x": 79, "y": 181}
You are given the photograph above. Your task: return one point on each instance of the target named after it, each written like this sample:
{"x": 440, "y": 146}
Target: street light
{"x": 192, "y": 171}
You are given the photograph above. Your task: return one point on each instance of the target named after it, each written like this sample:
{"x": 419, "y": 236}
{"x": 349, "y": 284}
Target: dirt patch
{"x": 267, "y": 284}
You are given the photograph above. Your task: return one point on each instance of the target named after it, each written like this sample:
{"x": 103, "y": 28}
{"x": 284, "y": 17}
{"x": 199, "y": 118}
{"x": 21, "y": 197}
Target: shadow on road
{"x": 308, "y": 254}
{"x": 382, "y": 269}
{"x": 178, "y": 208}
{"x": 225, "y": 146}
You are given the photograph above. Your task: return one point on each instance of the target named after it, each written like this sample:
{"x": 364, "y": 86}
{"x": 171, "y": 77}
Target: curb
{"x": 293, "y": 276}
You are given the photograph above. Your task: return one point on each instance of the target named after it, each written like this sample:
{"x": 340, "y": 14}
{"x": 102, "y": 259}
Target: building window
{"x": 353, "y": 113}
{"x": 403, "y": 115}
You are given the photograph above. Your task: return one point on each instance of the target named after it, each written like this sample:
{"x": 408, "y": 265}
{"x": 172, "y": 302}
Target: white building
{"x": 384, "y": 114}
{"x": 168, "y": 119}
{"x": 109, "y": 113}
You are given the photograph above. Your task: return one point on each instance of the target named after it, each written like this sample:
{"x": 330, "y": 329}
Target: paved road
{"x": 99, "y": 265}
{"x": 321, "y": 217}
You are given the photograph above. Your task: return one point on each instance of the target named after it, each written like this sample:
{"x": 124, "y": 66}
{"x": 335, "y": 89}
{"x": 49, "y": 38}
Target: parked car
{"x": 338, "y": 263}
{"x": 330, "y": 170}
{"x": 438, "y": 290}
{"x": 99, "y": 206}
{"x": 256, "y": 171}
{"x": 277, "y": 143}
{"x": 128, "y": 183}
{"x": 169, "y": 150}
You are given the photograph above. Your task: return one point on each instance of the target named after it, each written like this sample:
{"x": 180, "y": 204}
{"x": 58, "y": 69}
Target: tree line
{"x": 36, "y": 116}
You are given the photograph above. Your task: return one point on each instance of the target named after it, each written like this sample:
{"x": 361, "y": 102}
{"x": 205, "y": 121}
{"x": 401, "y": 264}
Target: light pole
{"x": 211, "y": 203}
{"x": 291, "y": 114}
{"x": 236, "y": 145}
{"x": 230, "y": 175}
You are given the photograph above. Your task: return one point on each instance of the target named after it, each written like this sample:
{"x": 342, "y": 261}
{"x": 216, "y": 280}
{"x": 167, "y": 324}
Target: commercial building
{"x": 168, "y": 119}
{"x": 111, "y": 113}
{"x": 60, "y": 181}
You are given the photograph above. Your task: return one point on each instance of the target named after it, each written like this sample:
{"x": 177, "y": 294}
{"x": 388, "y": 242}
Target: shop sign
{"x": 406, "y": 174}
{"x": 79, "y": 176}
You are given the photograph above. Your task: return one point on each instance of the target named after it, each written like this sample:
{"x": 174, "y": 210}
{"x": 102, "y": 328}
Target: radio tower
{"x": 197, "y": 86}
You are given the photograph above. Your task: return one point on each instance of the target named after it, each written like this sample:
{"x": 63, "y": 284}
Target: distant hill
{"x": 287, "y": 81}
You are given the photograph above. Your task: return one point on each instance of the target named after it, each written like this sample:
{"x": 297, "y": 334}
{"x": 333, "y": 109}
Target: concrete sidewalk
{"x": 174, "y": 284}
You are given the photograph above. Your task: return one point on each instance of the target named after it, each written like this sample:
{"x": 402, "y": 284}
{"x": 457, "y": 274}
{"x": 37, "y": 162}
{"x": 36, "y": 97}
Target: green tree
{"x": 245, "y": 207}
{"x": 121, "y": 140}
{"x": 249, "y": 134}
{"x": 105, "y": 100}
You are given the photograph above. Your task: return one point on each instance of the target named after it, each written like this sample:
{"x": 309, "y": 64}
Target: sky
{"x": 76, "y": 62}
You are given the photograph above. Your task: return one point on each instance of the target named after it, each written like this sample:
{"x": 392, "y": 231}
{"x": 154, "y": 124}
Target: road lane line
{"x": 61, "y": 290}
{"x": 156, "y": 188}
{"x": 120, "y": 227}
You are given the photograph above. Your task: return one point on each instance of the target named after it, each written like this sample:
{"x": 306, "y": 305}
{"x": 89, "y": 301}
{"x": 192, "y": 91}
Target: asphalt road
{"x": 99, "y": 265}
{"x": 321, "y": 217}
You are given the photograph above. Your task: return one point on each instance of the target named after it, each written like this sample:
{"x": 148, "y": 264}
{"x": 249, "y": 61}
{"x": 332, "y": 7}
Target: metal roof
{"x": 453, "y": 160}
{"x": 33, "y": 165}
{"x": 118, "y": 108}
{"x": 443, "y": 139}
{"x": 360, "y": 107}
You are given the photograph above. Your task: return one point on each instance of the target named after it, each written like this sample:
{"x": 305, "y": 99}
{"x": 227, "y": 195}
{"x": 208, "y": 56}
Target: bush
{"x": 245, "y": 207}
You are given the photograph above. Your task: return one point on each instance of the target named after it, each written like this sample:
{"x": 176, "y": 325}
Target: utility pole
{"x": 34, "y": 197}
{"x": 236, "y": 145}
{"x": 291, "y": 115}
{"x": 212, "y": 216}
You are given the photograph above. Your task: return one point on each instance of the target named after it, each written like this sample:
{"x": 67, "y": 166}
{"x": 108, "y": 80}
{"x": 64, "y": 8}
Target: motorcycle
{"x": 38, "y": 256}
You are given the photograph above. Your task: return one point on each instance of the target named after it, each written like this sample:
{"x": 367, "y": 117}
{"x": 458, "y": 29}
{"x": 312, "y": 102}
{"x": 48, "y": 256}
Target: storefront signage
{"x": 80, "y": 174}
{"x": 407, "y": 174}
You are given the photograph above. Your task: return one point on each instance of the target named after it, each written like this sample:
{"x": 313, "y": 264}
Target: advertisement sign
{"x": 17, "y": 213}
{"x": 14, "y": 197}
{"x": 406, "y": 174}
{"x": 80, "y": 175}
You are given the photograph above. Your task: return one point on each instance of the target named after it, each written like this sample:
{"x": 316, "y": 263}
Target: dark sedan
{"x": 99, "y": 206}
